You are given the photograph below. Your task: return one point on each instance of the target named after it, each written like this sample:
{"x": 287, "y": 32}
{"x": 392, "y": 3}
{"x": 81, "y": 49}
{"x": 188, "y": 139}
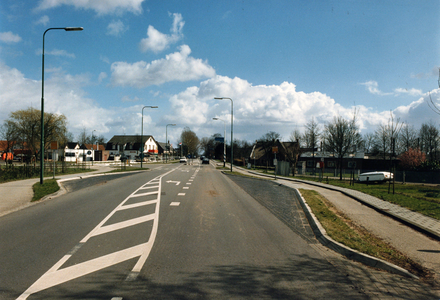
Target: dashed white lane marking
{"x": 174, "y": 203}
{"x": 186, "y": 187}
{"x": 181, "y": 194}
{"x": 188, "y": 183}
{"x": 57, "y": 275}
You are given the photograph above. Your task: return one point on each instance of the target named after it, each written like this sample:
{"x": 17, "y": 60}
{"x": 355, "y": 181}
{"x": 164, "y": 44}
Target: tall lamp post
{"x": 224, "y": 141}
{"x": 42, "y": 101}
{"x": 232, "y": 126}
{"x": 93, "y": 150}
{"x": 166, "y": 142}
{"x": 142, "y": 133}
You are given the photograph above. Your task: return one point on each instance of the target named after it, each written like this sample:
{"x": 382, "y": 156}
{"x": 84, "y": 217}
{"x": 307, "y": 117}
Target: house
{"x": 130, "y": 146}
{"x": 264, "y": 153}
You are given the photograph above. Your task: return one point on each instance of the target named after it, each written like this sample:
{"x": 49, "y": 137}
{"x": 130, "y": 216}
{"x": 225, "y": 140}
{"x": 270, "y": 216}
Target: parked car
{"x": 183, "y": 160}
{"x": 205, "y": 160}
{"x": 375, "y": 176}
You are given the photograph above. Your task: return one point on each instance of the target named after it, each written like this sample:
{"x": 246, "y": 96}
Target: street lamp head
{"x": 73, "y": 28}
{"x": 215, "y": 118}
{"x": 154, "y": 106}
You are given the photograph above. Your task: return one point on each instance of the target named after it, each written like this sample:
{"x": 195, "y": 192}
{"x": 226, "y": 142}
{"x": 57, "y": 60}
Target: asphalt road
{"x": 175, "y": 232}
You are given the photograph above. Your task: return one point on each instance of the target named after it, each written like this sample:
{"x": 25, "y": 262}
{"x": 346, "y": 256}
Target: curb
{"x": 325, "y": 240}
{"x": 424, "y": 229}
{"x": 63, "y": 191}
{"x": 328, "y": 242}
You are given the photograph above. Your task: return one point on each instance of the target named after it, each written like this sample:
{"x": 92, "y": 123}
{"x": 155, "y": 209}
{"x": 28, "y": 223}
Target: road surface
{"x": 177, "y": 232}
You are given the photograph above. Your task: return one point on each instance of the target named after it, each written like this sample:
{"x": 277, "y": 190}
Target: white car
{"x": 183, "y": 160}
{"x": 376, "y": 176}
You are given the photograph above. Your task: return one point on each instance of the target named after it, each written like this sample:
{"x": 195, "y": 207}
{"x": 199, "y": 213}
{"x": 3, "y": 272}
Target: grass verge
{"x": 48, "y": 187}
{"x": 419, "y": 198}
{"x": 343, "y": 230}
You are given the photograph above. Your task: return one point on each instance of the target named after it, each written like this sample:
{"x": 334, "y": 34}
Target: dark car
{"x": 205, "y": 160}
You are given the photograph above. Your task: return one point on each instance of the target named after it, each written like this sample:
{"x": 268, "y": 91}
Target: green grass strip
{"x": 48, "y": 187}
{"x": 343, "y": 230}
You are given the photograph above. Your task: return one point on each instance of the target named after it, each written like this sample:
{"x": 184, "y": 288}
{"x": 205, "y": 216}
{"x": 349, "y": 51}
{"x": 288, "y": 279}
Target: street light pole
{"x": 42, "y": 101}
{"x": 166, "y": 142}
{"x": 142, "y": 133}
{"x": 93, "y": 150}
{"x": 224, "y": 142}
{"x": 232, "y": 126}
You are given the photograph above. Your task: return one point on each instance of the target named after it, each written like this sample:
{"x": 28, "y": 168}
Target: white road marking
{"x": 174, "y": 203}
{"x": 188, "y": 183}
{"x": 55, "y": 276}
{"x": 181, "y": 194}
{"x": 176, "y": 182}
{"x": 186, "y": 187}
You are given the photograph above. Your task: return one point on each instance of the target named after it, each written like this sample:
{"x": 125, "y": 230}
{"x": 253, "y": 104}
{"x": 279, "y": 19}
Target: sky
{"x": 282, "y": 62}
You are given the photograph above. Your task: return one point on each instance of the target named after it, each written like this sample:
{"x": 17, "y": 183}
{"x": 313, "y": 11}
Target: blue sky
{"x": 282, "y": 62}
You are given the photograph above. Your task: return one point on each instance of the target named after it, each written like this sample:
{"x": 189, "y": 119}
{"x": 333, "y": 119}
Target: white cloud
{"x": 102, "y": 76}
{"x": 128, "y": 99}
{"x": 412, "y": 92}
{"x": 157, "y": 41}
{"x": 116, "y": 28}
{"x": 64, "y": 95}
{"x": 419, "y": 111}
{"x": 56, "y": 52}
{"x": 101, "y": 7}
{"x": 258, "y": 109}
{"x": 44, "y": 20}
{"x": 9, "y": 37}
{"x": 178, "y": 66}
{"x": 372, "y": 88}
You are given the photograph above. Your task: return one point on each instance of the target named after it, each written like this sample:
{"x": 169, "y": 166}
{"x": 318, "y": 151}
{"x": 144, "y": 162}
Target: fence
{"x": 400, "y": 176}
{"x": 10, "y": 172}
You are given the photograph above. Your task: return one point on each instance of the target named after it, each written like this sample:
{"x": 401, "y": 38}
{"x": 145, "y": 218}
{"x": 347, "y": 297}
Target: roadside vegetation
{"x": 19, "y": 172}
{"x": 48, "y": 187}
{"x": 424, "y": 199}
{"x": 343, "y": 230}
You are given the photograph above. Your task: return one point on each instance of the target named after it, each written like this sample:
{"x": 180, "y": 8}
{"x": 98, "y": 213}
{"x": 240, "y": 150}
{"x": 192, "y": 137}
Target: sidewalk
{"x": 16, "y": 195}
{"x": 374, "y": 215}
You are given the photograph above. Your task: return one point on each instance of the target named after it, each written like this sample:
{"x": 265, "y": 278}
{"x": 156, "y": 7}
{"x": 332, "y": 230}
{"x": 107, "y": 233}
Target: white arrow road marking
{"x": 176, "y": 182}
{"x": 55, "y": 276}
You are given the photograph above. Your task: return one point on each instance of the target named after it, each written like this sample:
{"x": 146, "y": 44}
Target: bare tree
{"x": 296, "y": 136}
{"x": 435, "y": 108}
{"x": 368, "y": 142}
{"x": 429, "y": 139}
{"x": 407, "y": 138}
{"x": 386, "y": 136}
{"x": 340, "y": 137}
{"x": 311, "y": 136}
{"x": 189, "y": 140}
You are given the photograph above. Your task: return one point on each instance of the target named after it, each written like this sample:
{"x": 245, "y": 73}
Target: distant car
{"x": 375, "y": 176}
{"x": 205, "y": 160}
{"x": 183, "y": 160}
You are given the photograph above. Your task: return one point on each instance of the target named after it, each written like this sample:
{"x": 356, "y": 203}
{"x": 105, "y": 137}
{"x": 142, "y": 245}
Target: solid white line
{"x": 124, "y": 224}
{"x": 134, "y": 205}
{"x": 54, "y": 276}
{"x": 144, "y": 194}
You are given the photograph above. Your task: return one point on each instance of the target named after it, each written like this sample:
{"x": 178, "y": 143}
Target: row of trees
{"x": 23, "y": 130}
{"x": 417, "y": 149}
